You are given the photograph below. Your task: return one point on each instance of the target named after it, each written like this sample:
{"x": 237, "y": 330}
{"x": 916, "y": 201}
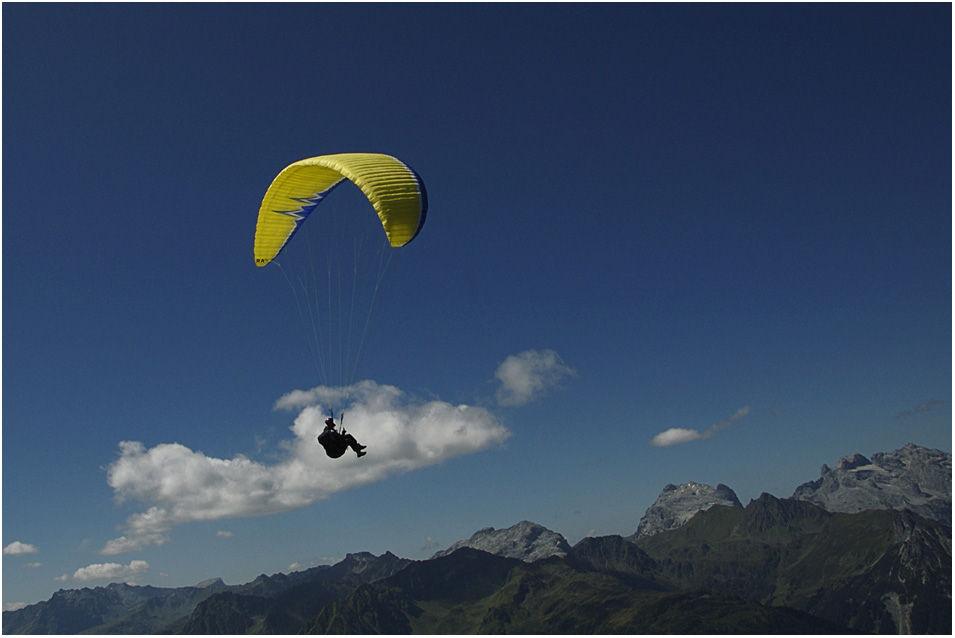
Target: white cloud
{"x": 675, "y": 436}
{"x": 33, "y": 565}
{"x": 179, "y": 485}
{"x": 527, "y": 376}
{"x": 13, "y": 606}
{"x": 224, "y": 534}
{"x": 108, "y": 571}
{"x": 16, "y": 548}
{"x": 322, "y": 395}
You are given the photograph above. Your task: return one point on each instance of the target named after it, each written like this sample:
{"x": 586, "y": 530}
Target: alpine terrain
{"x": 864, "y": 549}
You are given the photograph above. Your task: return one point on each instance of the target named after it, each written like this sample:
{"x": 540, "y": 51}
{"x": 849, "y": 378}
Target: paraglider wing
{"x": 394, "y": 190}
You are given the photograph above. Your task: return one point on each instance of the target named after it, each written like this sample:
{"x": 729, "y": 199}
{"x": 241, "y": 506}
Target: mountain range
{"x": 864, "y": 549}
{"x": 914, "y": 478}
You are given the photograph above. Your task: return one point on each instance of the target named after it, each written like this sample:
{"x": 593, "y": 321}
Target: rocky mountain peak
{"x": 211, "y": 583}
{"x": 359, "y": 560}
{"x": 915, "y": 478}
{"x": 851, "y": 462}
{"x": 677, "y": 504}
{"x": 525, "y": 541}
{"x": 768, "y": 512}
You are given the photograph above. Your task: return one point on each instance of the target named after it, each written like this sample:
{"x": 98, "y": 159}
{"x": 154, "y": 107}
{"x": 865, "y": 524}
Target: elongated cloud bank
{"x": 675, "y": 436}
{"x": 180, "y": 485}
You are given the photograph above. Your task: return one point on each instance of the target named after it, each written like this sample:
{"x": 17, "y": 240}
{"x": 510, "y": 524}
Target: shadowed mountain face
{"x": 545, "y": 597}
{"x": 876, "y": 571}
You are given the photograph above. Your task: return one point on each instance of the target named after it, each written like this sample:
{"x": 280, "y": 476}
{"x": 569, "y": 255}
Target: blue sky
{"x": 665, "y": 243}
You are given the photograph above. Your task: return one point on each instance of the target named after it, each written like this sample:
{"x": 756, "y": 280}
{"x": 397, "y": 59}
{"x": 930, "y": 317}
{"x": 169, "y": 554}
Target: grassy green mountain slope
{"x": 472, "y": 592}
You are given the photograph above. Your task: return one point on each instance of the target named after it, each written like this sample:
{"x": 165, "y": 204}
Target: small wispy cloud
{"x": 922, "y": 407}
{"x": 527, "y": 376}
{"x": 224, "y": 534}
{"x": 108, "y": 571}
{"x": 16, "y": 548}
{"x": 179, "y": 485}
{"x": 676, "y": 436}
{"x": 13, "y": 606}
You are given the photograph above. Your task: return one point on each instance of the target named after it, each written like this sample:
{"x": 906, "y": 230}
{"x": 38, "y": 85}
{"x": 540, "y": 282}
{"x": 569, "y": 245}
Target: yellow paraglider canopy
{"x": 394, "y": 190}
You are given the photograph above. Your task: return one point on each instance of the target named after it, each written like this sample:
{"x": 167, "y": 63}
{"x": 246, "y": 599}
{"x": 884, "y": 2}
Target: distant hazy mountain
{"x": 700, "y": 563}
{"x": 269, "y": 604}
{"x": 915, "y": 478}
{"x": 525, "y": 541}
{"x": 677, "y": 504}
{"x": 117, "y": 608}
